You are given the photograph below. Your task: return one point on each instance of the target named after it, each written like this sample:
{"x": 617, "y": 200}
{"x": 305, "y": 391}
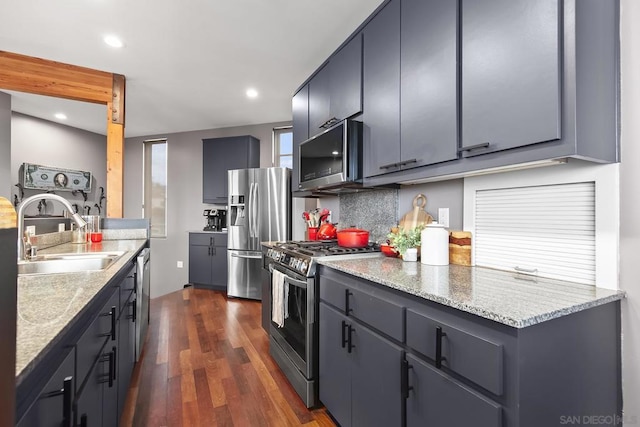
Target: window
{"x": 155, "y": 186}
{"x": 283, "y": 147}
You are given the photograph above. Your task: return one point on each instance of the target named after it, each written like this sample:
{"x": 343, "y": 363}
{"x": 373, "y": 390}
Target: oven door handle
{"x": 295, "y": 282}
{"x": 247, "y": 256}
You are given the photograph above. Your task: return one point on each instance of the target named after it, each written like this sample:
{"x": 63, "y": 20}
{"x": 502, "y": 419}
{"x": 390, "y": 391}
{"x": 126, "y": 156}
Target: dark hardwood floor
{"x": 206, "y": 363}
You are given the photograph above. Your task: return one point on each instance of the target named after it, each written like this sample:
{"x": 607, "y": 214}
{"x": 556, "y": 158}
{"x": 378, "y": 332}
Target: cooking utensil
{"x": 353, "y": 238}
{"x": 389, "y": 251}
{"x": 327, "y": 231}
{"x": 417, "y": 216}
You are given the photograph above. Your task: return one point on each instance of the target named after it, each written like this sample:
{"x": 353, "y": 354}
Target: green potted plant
{"x": 402, "y": 239}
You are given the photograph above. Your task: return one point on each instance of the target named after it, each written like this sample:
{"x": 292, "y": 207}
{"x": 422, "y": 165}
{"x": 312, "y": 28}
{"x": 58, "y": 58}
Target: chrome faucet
{"x": 46, "y": 196}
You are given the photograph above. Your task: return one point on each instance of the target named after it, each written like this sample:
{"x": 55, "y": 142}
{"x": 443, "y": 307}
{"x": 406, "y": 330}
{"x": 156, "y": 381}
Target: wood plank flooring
{"x": 206, "y": 363}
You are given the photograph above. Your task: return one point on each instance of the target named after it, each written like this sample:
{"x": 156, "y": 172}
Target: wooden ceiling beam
{"x": 44, "y": 77}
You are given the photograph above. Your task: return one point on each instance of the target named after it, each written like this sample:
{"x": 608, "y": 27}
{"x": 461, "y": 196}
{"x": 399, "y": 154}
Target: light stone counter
{"x": 508, "y": 298}
{"x": 49, "y": 303}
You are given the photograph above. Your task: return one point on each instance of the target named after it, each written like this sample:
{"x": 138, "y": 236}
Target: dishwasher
{"x": 143, "y": 280}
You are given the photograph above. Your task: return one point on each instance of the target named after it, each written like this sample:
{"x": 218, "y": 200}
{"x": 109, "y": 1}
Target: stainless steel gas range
{"x": 294, "y": 346}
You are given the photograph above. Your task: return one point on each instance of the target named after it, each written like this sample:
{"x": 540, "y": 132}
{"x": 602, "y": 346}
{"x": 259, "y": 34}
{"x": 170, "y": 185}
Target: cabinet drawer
{"x": 380, "y": 313}
{"x": 208, "y": 239}
{"x": 127, "y": 286}
{"x": 468, "y": 354}
{"x": 91, "y": 342}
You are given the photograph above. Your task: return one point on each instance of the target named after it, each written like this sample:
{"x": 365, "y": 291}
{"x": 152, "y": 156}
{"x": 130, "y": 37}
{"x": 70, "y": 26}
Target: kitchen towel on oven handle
{"x": 279, "y": 297}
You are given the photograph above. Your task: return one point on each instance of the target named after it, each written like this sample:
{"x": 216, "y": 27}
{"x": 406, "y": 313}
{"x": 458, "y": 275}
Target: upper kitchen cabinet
{"x": 511, "y": 73}
{"x": 536, "y": 82}
{"x": 219, "y": 155}
{"x": 300, "y": 113}
{"x": 335, "y": 92}
{"x": 429, "y": 82}
{"x": 381, "y": 91}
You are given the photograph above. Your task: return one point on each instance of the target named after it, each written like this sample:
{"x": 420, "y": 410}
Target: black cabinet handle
{"x": 109, "y": 358}
{"x": 213, "y": 250}
{"x": 134, "y": 304}
{"x": 344, "y": 333}
{"x": 209, "y": 251}
{"x": 350, "y": 345}
{"x": 83, "y": 421}
{"x": 439, "y": 358}
{"x": 115, "y": 362}
{"x": 347, "y": 309}
{"x": 65, "y": 392}
{"x": 211, "y": 241}
{"x": 390, "y": 165}
{"x": 408, "y": 162}
{"x": 473, "y": 147}
{"x": 404, "y": 378}
{"x": 112, "y": 332}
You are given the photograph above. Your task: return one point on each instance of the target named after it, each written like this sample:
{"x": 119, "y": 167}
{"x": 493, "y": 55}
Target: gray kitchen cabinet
{"x": 511, "y": 74}
{"x": 381, "y": 91}
{"x": 335, "y": 92}
{"x": 126, "y": 352}
{"x": 208, "y": 260}
{"x": 349, "y": 355}
{"x": 300, "y": 113}
{"x": 428, "y": 82}
{"x": 436, "y": 399}
{"x": 219, "y": 155}
{"x": 53, "y": 407}
{"x": 458, "y": 369}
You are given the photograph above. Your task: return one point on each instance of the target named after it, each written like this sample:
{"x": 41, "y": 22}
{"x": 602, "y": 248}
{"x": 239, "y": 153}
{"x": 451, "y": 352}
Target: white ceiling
{"x": 187, "y": 64}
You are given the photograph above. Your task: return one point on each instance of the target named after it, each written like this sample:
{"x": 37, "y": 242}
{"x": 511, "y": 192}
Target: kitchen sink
{"x": 69, "y": 263}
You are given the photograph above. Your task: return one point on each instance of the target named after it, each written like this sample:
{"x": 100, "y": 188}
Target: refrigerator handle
{"x": 254, "y": 214}
{"x": 250, "y": 219}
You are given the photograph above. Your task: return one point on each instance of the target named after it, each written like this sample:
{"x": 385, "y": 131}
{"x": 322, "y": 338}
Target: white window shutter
{"x": 546, "y": 229}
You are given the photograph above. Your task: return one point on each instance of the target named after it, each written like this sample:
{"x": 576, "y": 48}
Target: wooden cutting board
{"x": 8, "y": 218}
{"x": 460, "y": 248}
{"x": 417, "y": 216}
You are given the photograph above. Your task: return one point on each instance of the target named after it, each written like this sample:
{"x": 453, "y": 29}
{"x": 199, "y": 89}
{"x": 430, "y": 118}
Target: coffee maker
{"x": 216, "y": 219}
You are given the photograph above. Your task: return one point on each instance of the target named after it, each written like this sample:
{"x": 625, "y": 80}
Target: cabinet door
{"x": 345, "y": 80}
{"x": 438, "y": 400}
{"x": 53, "y": 406}
{"x": 110, "y": 415}
{"x": 335, "y": 365}
{"x": 510, "y": 73}
{"x": 429, "y": 64}
{"x": 90, "y": 394}
{"x": 381, "y": 91}
{"x": 219, "y": 267}
{"x": 300, "y": 112}
{"x": 126, "y": 351}
{"x": 200, "y": 264}
{"x": 375, "y": 380}
{"x": 214, "y": 182}
{"x": 319, "y": 101}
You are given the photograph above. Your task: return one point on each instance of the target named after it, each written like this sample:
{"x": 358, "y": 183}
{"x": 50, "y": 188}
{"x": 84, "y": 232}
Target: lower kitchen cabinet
{"x": 208, "y": 260}
{"x": 126, "y": 352}
{"x": 359, "y": 372}
{"x": 53, "y": 407}
{"x": 445, "y": 367}
{"x": 436, "y": 399}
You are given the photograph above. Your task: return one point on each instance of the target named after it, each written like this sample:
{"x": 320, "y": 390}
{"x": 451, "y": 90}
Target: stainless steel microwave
{"x": 332, "y": 159}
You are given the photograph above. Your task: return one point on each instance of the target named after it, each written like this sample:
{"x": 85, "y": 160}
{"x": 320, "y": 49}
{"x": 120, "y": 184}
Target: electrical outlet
{"x": 30, "y": 229}
{"x": 443, "y": 216}
{"x": 180, "y": 264}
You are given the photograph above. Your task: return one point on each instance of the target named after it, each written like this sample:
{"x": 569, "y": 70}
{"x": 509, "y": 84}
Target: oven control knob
{"x": 304, "y": 266}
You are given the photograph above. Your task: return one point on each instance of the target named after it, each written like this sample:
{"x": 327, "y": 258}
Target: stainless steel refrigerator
{"x": 259, "y": 210}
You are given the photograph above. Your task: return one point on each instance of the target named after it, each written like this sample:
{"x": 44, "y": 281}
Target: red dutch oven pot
{"x": 353, "y": 238}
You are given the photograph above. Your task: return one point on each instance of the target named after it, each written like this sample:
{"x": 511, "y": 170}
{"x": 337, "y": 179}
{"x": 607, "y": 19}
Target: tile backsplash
{"x": 375, "y": 210}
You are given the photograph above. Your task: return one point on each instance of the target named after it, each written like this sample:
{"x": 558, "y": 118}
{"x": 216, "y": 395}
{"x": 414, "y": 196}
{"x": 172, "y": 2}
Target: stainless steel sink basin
{"x": 69, "y": 263}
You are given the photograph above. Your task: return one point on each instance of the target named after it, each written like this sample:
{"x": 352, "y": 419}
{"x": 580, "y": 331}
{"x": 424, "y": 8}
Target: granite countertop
{"x": 49, "y": 303}
{"x": 508, "y": 298}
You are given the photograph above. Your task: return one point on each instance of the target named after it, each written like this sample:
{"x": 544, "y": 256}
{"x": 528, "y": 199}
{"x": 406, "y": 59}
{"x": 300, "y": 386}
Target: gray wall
{"x": 47, "y": 143}
{"x": 184, "y": 198}
{"x": 5, "y": 145}
{"x": 629, "y": 209}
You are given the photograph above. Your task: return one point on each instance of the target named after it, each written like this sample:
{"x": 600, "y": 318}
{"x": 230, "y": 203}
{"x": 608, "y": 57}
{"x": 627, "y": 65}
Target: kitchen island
{"x": 57, "y": 315}
{"x": 415, "y": 345}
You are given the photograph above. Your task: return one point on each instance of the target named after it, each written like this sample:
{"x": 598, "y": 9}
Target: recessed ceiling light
{"x": 113, "y": 41}
{"x": 252, "y": 93}
{"x": 335, "y": 153}
{"x": 60, "y": 116}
